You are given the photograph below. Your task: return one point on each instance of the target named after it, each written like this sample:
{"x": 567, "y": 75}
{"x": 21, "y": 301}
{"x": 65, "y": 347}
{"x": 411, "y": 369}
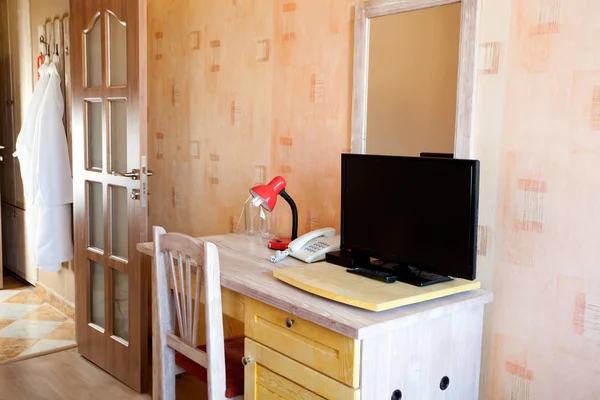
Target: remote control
{"x": 386, "y": 277}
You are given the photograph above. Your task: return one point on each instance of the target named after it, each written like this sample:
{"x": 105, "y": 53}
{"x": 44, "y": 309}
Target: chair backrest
{"x": 180, "y": 264}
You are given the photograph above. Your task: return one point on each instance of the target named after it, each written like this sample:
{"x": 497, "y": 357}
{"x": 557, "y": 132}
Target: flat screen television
{"x": 437, "y": 155}
{"x": 418, "y": 213}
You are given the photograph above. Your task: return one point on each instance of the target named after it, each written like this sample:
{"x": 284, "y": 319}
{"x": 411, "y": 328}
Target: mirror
{"x": 414, "y": 77}
{"x": 413, "y": 71}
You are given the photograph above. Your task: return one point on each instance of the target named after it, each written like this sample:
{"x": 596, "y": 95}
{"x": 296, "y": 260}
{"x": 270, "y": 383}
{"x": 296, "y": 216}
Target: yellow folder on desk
{"x": 333, "y": 282}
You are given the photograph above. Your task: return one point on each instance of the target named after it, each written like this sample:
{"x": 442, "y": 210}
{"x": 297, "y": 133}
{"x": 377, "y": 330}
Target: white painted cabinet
{"x": 433, "y": 359}
{"x": 16, "y": 243}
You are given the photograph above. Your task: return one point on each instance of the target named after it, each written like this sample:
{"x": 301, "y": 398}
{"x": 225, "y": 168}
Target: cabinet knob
{"x": 444, "y": 383}
{"x": 246, "y": 361}
{"x": 397, "y": 395}
{"x": 289, "y": 322}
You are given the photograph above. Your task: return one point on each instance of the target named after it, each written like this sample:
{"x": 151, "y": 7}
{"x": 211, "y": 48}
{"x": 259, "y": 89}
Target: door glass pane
{"x": 93, "y": 54}
{"x": 119, "y": 234}
{"x": 118, "y": 135}
{"x": 117, "y": 32}
{"x": 97, "y": 293}
{"x": 94, "y": 134}
{"x": 120, "y": 304}
{"x": 96, "y": 215}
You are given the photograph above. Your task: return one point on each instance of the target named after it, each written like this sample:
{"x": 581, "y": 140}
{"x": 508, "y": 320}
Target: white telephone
{"x": 314, "y": 245}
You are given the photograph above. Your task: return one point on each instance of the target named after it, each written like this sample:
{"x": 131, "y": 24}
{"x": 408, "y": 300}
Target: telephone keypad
{"x": 316, "y": 247}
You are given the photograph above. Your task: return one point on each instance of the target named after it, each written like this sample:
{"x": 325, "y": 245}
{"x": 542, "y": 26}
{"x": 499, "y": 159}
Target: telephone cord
{"x": 279, "y": 255}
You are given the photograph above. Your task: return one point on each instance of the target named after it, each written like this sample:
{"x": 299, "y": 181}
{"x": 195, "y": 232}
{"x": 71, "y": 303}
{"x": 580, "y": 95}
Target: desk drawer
{"x": 271, "y": 375}
{"x": 326, "y": 351}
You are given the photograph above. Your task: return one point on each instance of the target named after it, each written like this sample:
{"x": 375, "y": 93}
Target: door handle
{"x": 134, "y": 174}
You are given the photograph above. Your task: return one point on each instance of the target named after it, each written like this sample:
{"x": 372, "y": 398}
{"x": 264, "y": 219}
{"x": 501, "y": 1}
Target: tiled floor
{"x": 28, "y": 326}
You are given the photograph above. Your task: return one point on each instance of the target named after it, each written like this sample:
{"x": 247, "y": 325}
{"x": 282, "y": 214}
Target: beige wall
{"x": 243, "y": 90}
{"x": 63, "y": 282}
{"x": 20, "y": 50}
{"x": 240, "y": 92}
{"x": 40, "y": 11}
{"x": 538, "y": 136}
{"x": 20, "y": 47}
{"x": 413, "y": 69}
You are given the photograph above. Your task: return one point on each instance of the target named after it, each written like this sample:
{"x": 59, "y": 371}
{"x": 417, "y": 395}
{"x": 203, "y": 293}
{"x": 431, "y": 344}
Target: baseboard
{"x": 57, "y": 301}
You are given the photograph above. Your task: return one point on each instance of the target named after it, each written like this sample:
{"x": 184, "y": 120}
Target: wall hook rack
{"x": 44, "y": 42}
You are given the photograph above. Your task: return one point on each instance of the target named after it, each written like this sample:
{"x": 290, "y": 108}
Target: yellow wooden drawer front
{"x": 326, "y": 351}
{"x": 271, "y": 375}
{"x": 269, "y": 385}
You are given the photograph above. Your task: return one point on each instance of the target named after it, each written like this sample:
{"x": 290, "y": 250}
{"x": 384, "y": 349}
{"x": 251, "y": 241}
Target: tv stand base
{"x": 407, "y": 274}
{"x": 417, "y": 277}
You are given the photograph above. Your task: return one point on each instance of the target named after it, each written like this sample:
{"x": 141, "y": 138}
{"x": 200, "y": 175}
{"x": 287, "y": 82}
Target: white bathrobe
{"x": 47, "y": 174}
{"x": 24, "y": 146}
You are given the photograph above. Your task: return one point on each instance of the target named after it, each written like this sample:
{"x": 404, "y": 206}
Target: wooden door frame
{"x": 4, "y": 5}
{"x": 99, "y": 348}
{"x": 467, "y": 66}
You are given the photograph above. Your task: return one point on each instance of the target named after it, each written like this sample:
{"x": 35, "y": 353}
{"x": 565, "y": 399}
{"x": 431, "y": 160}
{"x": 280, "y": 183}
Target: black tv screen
{"x": 417, "y": 212}
{"x": 437, "y": 155}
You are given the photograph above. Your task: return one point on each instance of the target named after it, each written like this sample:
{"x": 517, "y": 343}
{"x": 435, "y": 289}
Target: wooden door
{"x": 7, "y": 181}
{"x": 6, "y": 106}
{"x": 10, "y": 239}
{"x": 108, "y": 76}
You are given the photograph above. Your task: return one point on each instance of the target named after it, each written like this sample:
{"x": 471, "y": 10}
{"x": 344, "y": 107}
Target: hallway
{"x": 29, "y": 326}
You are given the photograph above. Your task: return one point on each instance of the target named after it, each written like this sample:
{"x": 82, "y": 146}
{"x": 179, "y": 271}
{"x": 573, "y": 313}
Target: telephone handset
{"x": 314, "y": 245}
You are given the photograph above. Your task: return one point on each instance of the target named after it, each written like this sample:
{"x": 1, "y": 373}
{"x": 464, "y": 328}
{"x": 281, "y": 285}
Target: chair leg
{"x": 163, "y": 375}
{"x": 163, "y": 356}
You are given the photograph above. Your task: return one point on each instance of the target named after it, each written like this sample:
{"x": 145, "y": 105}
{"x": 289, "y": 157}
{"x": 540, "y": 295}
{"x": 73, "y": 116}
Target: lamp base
{"x": 279, "y": 243}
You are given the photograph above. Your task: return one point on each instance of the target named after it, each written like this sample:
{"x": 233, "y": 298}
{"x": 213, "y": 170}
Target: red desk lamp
{"x": 266, "y": 197}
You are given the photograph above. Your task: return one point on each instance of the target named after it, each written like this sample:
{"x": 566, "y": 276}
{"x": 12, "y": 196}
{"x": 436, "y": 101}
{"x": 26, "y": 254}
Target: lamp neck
{"x": 290, "y": 201}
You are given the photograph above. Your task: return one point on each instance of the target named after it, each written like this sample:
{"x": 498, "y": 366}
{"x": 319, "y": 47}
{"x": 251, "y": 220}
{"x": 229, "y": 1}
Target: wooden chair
{"x": 180, "y": 263}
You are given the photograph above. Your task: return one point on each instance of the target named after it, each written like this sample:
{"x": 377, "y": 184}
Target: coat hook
{"x": 43, "y": 41}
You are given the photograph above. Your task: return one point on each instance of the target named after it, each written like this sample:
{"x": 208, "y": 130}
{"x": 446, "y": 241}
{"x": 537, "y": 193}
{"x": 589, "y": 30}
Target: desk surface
{"x": 245, "y": 269}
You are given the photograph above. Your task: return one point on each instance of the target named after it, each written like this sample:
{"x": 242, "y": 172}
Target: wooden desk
{"x": 305, "y": 346}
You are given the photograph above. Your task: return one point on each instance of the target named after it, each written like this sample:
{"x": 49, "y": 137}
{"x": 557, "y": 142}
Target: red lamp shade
{"x": 266, "y": 195}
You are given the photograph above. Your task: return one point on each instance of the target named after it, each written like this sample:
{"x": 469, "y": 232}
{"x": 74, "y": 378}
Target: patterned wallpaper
{"x": 538, "y": 137}
{"x": 242, "y": 90}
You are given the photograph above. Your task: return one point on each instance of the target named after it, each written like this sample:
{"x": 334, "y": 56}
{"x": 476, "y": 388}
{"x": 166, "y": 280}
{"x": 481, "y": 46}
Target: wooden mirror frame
{"x": 467, "y": 66}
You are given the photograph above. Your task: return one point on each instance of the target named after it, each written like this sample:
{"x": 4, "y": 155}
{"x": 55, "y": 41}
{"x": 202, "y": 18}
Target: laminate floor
{"x": 68, "y": 376}
{"x": 29, "y": 327}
